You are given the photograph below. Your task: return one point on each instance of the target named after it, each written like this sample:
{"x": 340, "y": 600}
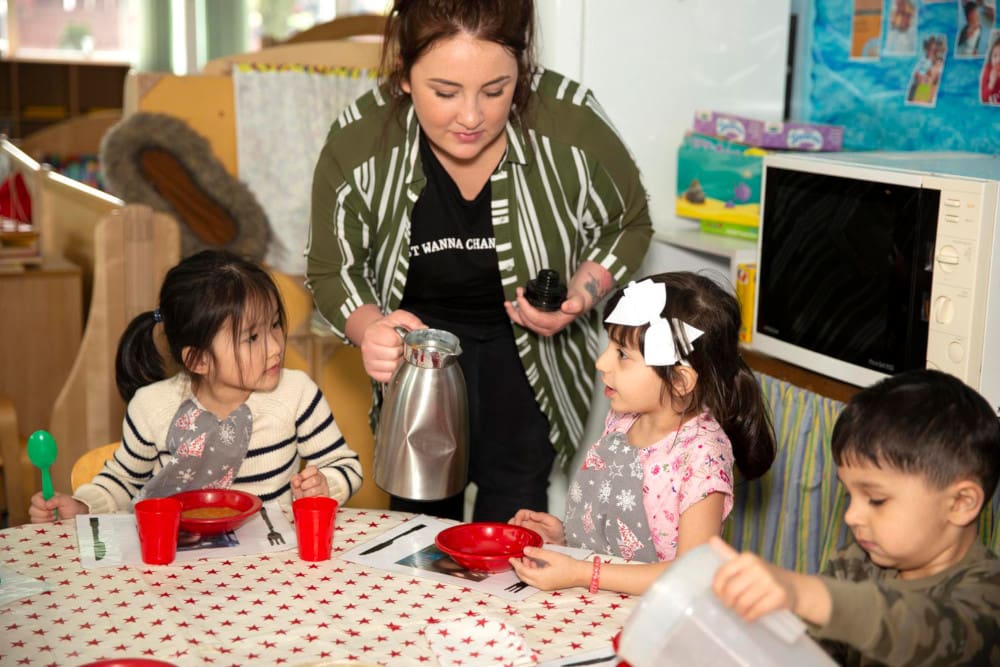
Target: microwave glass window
{"x": 846, "y": 266}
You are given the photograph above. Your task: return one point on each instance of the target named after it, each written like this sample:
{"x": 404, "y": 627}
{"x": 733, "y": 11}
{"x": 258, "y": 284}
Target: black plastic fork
{"x": 273, "y": 537}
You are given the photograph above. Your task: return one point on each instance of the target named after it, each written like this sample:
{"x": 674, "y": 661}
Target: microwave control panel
{"x": 962, "y": 256}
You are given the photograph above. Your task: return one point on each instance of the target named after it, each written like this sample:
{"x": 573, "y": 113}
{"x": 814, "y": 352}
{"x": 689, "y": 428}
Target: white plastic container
{"x": 680, "y": 621}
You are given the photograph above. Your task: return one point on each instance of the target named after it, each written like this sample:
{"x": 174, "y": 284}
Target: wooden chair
{"x": 133, "y": 249}
{"x": 345, "y": 27}
{"x": 17, "y": 469}
{"x": 90, "y": 463}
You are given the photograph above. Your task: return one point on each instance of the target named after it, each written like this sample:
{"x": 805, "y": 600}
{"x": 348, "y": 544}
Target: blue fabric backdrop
{"x": 868, "y": 97}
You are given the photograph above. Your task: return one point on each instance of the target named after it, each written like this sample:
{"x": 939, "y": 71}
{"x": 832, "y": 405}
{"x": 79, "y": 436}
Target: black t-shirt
{"x": 453, "y": 274}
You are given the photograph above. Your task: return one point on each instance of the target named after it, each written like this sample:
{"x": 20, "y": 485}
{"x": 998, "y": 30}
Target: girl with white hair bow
{"x": 684, "y": 409}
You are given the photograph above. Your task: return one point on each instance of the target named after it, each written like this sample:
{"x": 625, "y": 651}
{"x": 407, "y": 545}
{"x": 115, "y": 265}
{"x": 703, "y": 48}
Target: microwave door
{"x": 838, "y": 258}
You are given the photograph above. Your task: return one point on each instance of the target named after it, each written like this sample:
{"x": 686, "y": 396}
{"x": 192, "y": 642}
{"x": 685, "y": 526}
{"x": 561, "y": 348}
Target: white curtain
{"x": 283, "y": 114}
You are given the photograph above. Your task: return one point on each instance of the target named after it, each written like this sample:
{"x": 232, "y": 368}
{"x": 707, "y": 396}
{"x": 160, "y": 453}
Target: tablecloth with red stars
{"x": 270, "y": 609}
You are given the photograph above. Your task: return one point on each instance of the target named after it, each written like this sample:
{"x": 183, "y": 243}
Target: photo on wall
{"x": 976, "y": 19}
{"x": 901, "y": 31}
{"x": 989, "y": 82}
{"x": 866, "y": 30}
{"x": 926, "y": 78}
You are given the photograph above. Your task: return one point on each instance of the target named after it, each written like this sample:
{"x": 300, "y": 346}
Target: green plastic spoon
{"x": 42, "y": 452}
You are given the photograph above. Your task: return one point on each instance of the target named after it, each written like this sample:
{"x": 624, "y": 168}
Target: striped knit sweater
{"x": 566, "y": 191}
{"x": 291, "y": 424}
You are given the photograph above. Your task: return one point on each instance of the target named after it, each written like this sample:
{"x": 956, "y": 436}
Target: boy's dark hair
{"x": 726, "y": 386}
{"x": 198, "y": 297}
{"x": 922, "y": 422}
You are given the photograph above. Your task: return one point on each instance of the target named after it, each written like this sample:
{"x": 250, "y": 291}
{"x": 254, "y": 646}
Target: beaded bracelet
{"x": 595, "y": 578}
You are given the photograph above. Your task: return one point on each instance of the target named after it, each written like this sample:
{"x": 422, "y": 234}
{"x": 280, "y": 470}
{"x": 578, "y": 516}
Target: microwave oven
{"x": 870, "y": 264}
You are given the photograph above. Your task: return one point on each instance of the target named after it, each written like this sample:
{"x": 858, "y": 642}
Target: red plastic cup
{"x": 314, "y": 520}
{"x": 158, "y": 520}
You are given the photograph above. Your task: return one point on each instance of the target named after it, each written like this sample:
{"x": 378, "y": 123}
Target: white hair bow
{"x": 641, "y": 303}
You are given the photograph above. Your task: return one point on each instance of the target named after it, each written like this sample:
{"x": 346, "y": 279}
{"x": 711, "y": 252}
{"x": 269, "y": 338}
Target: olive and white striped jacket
{"x": 566, "y": 191}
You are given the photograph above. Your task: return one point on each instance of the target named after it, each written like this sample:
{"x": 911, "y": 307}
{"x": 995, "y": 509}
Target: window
{"x": 276, "y": 20}
{"x": 101, "y": 30}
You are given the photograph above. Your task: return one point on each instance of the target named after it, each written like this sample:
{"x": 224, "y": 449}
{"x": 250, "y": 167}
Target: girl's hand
{"x": 549, "y": 570}
{"x": 309, "y": 482}
{"x": 42, "y": 511}
{"x": 382, "y": 347}
{"x": 546, "y": 525}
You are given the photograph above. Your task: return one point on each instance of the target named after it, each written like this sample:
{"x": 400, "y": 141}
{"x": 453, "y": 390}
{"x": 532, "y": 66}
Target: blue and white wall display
{"x": 931, "y": 82}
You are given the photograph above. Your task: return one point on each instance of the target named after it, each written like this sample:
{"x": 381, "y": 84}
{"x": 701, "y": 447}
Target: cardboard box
{"x": 746, "y": 284}
{"x": 770, "y": 134}
{"x": 719, "y": 184}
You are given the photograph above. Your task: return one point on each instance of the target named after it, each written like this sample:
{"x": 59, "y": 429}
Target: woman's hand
{"x": 381, "y": 347}
{"x": 587, "y": 286}
{"x": 43, "y": 511}
{"x": 545, "y": 323}
{"x": 543, "y": 523}
{"x": 309, "y": 482}
{"x": 549, "y": 570}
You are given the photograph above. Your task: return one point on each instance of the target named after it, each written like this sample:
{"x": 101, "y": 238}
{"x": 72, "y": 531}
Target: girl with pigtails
{"x": 684, "y": 408}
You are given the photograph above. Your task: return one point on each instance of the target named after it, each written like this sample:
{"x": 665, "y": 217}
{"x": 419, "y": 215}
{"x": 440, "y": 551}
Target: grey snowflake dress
{"x": 628, "y": 501}
{"x": 206, "y": 452}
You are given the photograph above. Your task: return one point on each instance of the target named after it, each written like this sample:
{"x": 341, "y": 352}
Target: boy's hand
{"x": 546, "y": 525}
{"x": 748, "y": 585}
{"x": 753, "y": 587}
{"x": 549, "y": 570}
{"x": 42, "y": 511}
{"x": 309, "y": 482}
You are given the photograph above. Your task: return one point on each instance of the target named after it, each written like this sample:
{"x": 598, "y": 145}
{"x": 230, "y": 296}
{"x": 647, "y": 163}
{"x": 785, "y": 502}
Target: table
{"x": 267, "y": 609}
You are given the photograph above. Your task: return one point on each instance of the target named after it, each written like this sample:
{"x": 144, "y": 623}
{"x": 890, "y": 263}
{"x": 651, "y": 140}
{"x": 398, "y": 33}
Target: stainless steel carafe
{"x": 422, "y": 441}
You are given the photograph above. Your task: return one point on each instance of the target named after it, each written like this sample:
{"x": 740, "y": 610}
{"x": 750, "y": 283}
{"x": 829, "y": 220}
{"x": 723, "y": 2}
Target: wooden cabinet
{"x": 37, "y": 93}
{"x": 40, "y": 333}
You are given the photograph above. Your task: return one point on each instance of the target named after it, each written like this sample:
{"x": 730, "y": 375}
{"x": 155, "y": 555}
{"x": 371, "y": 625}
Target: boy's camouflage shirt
{"x": 949, "y": 619}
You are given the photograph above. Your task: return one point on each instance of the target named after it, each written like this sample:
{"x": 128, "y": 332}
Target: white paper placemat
{"x": 409, "y": 548}
{"x": 121, "y": 539}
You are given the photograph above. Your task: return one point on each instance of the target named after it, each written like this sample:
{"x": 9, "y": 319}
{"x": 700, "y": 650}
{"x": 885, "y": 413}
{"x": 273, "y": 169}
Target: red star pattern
{"x": 270, "y": 609}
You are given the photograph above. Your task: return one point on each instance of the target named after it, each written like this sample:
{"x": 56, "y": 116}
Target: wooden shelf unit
{"x": 37, "y": 93}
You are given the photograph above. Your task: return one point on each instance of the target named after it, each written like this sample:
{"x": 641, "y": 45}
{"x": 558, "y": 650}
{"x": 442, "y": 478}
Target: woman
{"x": 439, "y": 195}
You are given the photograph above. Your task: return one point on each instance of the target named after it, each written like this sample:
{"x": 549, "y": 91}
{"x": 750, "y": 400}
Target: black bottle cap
{"x": 546, "y": 291}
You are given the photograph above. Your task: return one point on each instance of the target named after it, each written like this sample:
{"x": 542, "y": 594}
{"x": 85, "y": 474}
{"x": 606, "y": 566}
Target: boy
{"x": 919, "y": 455}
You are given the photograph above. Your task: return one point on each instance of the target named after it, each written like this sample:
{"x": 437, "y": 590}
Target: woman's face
{"x": 995, "y": 55}
{"x": 462, "y": 89}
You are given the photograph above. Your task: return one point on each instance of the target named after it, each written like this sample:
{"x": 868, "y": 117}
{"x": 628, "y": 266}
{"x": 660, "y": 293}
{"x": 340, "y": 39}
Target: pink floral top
{"x": 671, "y": 475}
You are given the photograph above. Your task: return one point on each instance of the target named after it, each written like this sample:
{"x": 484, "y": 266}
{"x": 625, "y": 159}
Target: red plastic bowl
{"x": 486, "y": 546}
{"x": 246, "y": 504}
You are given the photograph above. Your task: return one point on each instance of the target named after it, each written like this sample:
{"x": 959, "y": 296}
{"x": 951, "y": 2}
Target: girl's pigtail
{"x": 747, "y": 422}
{"x": 138, "y": 361}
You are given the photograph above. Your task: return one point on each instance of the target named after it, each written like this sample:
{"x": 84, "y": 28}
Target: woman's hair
{"x": 198, "y": 297}
{"x": 415, "y": 26}
{"x": 726, "y": 387}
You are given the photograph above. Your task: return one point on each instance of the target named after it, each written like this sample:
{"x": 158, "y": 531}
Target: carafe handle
{"x": 401, "y": 330}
